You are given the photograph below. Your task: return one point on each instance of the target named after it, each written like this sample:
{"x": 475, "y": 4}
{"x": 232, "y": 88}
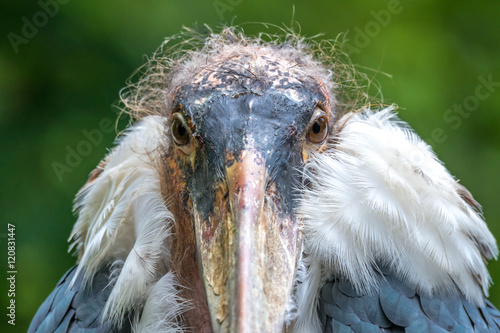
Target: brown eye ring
{"x": 180, "y": 131}
{"x": 318, "y": 131}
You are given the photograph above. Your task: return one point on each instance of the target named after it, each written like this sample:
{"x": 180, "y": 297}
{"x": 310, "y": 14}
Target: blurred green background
{"x": 64, "y": 78}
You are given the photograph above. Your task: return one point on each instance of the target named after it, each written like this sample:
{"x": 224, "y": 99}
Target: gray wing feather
{"x": 397, "y": 308}
{"x": 74, "y": 308}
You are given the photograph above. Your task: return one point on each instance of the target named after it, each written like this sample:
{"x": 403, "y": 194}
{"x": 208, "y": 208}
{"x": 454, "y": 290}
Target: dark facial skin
{"x": 226, "y": 107}
{"x": 240, "y": 131}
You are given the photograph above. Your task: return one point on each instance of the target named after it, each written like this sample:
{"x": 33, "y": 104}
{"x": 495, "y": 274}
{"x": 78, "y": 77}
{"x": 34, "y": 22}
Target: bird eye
{"x": 318, "y": 131}
{"x": 180, "y": 132}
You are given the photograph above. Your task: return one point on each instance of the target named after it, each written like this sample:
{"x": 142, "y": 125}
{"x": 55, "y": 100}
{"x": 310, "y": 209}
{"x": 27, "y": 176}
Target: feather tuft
{"x": 380, "y": 197}
{"x": 123, "y": 219}
{"x": 163, "y": 308}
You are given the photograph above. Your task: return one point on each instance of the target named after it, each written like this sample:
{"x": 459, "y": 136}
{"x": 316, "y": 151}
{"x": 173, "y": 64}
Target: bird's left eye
{"x": 318, "y": 130}
{"x": 180, "y": 132}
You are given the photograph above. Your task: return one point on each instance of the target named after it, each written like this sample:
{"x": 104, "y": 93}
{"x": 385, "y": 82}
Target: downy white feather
{"x": 379, "y": 196}
{"x": 163, "y": 308}
{"x": 123, "y": 220}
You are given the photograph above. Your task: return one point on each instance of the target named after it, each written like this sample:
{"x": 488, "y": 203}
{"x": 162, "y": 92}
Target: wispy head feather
{"x": 180, "y": 57}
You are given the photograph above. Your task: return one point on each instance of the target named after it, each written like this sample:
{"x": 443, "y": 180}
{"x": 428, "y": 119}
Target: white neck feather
{"x": 123, "y": 220}
{"x": 379, "y": 196}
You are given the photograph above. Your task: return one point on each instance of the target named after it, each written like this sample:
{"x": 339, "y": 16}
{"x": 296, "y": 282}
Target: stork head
{"x": 227, "y": 130}
{"x": 243, "y": 120}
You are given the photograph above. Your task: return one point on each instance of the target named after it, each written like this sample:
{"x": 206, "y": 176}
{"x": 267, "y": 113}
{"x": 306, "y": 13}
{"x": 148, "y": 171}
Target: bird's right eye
{"x": 319, "y": 130}
{"x": 180, "y": 132}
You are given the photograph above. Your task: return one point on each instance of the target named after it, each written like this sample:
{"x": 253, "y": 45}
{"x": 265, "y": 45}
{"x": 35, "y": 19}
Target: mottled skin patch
{"x": 280, "y": 74}
{"x": 216, "y": 243}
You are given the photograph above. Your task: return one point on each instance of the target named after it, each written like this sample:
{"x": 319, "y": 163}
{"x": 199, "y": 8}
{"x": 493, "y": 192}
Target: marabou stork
{"x": 249, "y": 196}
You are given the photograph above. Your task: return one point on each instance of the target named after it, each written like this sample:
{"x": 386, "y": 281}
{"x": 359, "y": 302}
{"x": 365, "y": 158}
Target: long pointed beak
{"x": 248, "y": 251}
